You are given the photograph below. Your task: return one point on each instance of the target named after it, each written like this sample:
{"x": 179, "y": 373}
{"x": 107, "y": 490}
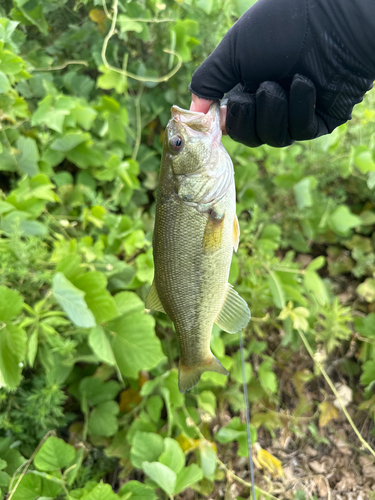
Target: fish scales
{"x": 196, "y": 229}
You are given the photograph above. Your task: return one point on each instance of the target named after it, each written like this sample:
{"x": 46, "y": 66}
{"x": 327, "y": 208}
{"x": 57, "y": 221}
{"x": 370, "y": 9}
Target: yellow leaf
{"x": 186, "y": 443}
{"x": 99, "y": 17}
{"x": 269, "y": 462}
{"x": 327, "y": 413}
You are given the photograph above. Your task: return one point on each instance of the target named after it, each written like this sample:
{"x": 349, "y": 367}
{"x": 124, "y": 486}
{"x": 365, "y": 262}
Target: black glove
{"x": 292, "y": 69}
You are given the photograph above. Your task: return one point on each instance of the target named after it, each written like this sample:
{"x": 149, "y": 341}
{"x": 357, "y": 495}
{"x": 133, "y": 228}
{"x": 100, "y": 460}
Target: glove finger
{"x": 303, "y": 121}
{"x": 272, "y": 115}
{"x": 240, "y": 122}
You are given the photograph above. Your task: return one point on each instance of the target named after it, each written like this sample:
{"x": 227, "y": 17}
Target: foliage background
{"x": 89, "y": 401}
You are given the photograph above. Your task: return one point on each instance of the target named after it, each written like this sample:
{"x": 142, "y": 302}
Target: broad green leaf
{"x": 162, "y": 475}
{"x": 12, "y": 352}
{"x": 54, "y": 454}
{"x": 128, "y": 302}
{"x": 187, "y": 477}
{"x": 71, "y": 299}
{"x": 29, "y": 488}
{"x": 364, "y": 160}
{"x": 368, "y": 375}
{"x": 69, "y": 141}
{"x": 207, "y": 457}
{"x": 146, "y": 446}
{"x": 172, "y": 456}
{"x": 138, "y": 491}
{"x": 367, "y": 289}
{"x": 29, "y": 156}
{"x": 34, "y": 14}
{"x": 84, "y": 155}
{"x": 11, "y": 304}
{"x": 4, "y": 83}
{"x": 302, "y": 192}
{"x": 342, "y": 221}
{"x": 103, "y": 421}
{"x": 267, "y": 378}
{"x": 97, "y": 297}
{"x": 95, "y": 391}
{"x": 111, "y": 80}
{"x": 101, "y": 491}
{"x": 101, "y": 345}
{"x": 154, "y": 406}
{"x": 207, "y": 402}
{"x": 135, "y": 344}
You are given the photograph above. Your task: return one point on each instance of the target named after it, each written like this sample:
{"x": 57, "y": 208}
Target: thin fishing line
{"x": 249, "y": 443}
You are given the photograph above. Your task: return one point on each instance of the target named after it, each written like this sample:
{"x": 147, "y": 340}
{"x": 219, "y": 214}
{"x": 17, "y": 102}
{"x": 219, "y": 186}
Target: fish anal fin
{"x": 153, "y": 301}
{"x": 188, "y": 376}
{"x": 236, "y": 233}
{"x": 235, "y": 313}
{"x": 213, "y": 232}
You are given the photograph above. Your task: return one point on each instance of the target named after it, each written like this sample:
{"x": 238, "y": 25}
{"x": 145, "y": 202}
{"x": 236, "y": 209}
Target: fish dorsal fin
{"x": 235, "y": 313}
{"x": 236, "y": 233}
{"x": 153, "y": 301}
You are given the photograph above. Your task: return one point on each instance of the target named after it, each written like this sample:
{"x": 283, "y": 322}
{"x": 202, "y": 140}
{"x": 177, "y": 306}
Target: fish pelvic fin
{"x": 188, "y": 376}
{"x": 235, "y": 313}
{"x": 153, "y": 301}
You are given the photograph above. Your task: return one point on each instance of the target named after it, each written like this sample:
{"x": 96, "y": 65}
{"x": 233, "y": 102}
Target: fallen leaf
{"x": 346, "y": 395}
{"x": 269, "y": 462}
{"x": 368, "y": 467}
{"x": 129, "y": 399}
{"x": 317, "y": 467}
{"x": 327, "y": 413}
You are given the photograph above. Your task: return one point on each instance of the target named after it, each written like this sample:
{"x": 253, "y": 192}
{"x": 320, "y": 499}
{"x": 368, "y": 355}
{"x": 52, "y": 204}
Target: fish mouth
{"x": 206, "y": 123}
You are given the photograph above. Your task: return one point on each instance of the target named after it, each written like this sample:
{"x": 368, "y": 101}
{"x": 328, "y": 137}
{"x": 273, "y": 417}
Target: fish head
{"x": 192, "y": 140}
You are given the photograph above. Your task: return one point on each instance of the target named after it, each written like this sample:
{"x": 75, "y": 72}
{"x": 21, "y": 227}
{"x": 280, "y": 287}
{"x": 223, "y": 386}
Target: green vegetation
{"x": 90, "y": 407}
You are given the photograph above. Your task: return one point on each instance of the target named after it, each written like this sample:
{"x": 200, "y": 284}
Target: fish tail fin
{"x": 188, "y": 376}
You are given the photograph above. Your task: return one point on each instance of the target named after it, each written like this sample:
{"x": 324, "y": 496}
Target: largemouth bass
{"x": 196, "y": 230}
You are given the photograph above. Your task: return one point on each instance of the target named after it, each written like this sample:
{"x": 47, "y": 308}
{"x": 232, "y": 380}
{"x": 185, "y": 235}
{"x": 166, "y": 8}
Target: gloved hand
{"x": 291, "y": 69}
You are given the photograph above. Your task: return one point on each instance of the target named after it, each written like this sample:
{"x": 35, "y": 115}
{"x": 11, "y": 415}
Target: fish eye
{"x": 176, "y": 144}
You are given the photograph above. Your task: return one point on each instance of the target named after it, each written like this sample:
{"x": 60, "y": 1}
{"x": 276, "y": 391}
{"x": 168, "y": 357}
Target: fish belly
{"x": 191, "y": 282}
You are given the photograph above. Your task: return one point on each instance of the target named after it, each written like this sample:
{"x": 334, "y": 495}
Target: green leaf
{"x": 69, "y": 141}
{"x": 367, "y": 289}
{"x": 187, "y": 477}
{"x": 145, "y": 446}
{"x": 276, "y": 290}
{"x": 314, "y": 284}
{"x": 95, "y": 391}
{"x": 85, "y": 155}
{"x": 302, "y": 192}
{"x": 207, "y": 456}
{"x": 11, "y": 304}
{"x": 138, "y": 491}
{"x": 101, "y": 491}
{"x": 172, "y": 456}
{"x": 97, "y": 297}
{"x": 99, "y": 343}
{"x": 111, "y": 80}
{"x": 154, "y": 406}
{"x": 4, "y": 83}
{"x": 71, "y": 299}
{"x": 267, "y": 378}
{"x": 341, "y": 221}
{"x": 29, "y": 488}
{"x": 128, "y": 302}
{"x": 364, "y": 160}
{"x": 54, "y": 454}
{"x": 29, "y": 156}
{"x": 207, "y": 402}
{"x": 368, "y": 375}
{"x": 103, "y": 421}
{"x": 12, "y": 352}
{"x": 135, "y": 345}
{"x": 162, "y": 475}
{"x": 34, "y": 14}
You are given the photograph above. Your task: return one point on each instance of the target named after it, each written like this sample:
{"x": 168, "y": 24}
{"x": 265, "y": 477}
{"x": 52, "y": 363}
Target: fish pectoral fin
{"x": 153, "y": 301}
{"x": 236, "y": 233}
{"x": 188, "y": 376}
{"x": 213, "y": 232}
{"x": 235, "y": 313}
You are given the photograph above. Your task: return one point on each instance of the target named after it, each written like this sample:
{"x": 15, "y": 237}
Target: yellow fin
{"x": 213, "y": 232}
{"x": 153, "y": 301}
{"x": 188, "y": 376}
{"x": 235, "y": 313}
{"x": 236, "y": 233}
